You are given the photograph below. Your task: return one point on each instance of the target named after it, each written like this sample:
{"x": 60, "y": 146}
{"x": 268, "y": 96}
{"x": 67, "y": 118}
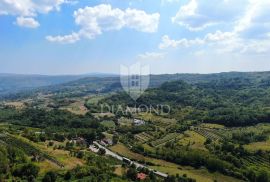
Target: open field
{"x": 125, "y": 122}
{"x": 212, "y": 126}
{"x": 193, "y": 139}
{"x": 17, "y": 105}
{"x": 264, "y": 146}
{"x": 108, "y": 124}
{"x": 46, "y": 166}
{"x": 62, "y": 156}
{"x": 119, "y": 170}
{"x": 76, "y": 108}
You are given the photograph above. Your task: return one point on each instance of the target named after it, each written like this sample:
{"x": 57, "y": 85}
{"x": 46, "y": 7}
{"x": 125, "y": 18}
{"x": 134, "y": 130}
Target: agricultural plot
{"x": 143, "y": 137}
{"x": 207, "y": 133}
{"x": 28, "y": 148}
{"x": 125, "y": 121}
{"x": 212, "y": 126}
{"x": 77, "y": 108}
{"x": 256, "y": 160}
{"x": 108, "y": 124}
{"x": 264, "y": 146}
{"x": 169, "y": 137}
{"x": 193, "y": 139}
{"x": 158, "y": 121}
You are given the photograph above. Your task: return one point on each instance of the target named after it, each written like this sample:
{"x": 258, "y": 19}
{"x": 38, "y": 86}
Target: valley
{"x": 217, "y": 129}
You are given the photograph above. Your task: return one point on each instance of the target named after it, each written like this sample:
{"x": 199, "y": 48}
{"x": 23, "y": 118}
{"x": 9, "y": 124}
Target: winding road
{"x": 116, "y": 156}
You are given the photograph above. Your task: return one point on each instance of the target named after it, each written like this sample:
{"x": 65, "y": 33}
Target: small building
{"x": 78, "y": 141}
{"x": 138, "y": 122}
{"x": 141, "y": 176}
{"x": 106, "y": 142}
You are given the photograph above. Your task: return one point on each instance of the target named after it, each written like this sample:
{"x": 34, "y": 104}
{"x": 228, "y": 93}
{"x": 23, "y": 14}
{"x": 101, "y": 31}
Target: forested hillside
{"x": 232, "y": 101}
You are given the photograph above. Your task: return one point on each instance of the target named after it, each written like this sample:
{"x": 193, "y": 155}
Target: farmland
{"x": 169, "y": 137}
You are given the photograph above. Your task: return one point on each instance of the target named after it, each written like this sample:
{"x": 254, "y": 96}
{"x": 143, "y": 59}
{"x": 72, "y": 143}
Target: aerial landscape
{"x": 135, "y": 90}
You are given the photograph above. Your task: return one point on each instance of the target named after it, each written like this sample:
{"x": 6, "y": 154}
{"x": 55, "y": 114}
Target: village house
{"x": 78, "y": 141}
{"x": 138, "y": 122}
{"x": 141, "y": 176}
{"x": 106, "y": 142}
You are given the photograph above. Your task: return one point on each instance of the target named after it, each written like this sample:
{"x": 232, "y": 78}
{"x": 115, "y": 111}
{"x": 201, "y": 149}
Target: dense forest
{"x": 232, "y": 101}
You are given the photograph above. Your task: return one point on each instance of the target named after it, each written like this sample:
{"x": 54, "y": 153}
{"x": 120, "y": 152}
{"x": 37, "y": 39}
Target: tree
{"x": 101, "y": 151}
{"x": 80, "y": 154}
{"x": 26, "y": 170}
{"x": 50, "y": 177}
{"x": 3, "y": 162}
{"x": 67, "y": 176}
{"x": 263, "y": 176}
{"x": 115, "y": 139}
{"x": 132, "y": 173}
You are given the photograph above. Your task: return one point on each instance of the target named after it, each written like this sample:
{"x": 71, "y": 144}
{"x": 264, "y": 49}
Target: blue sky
{"x": 172, "y": 36}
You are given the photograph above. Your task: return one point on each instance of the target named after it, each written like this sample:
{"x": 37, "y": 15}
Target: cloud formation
{"x": 152, "y": 55}
{"x": 197, "y": 15}
{"x": 27, "y": 22}
{"x": 249, "y": 31}
{"x": 95, "y": 20}
{"x": 26, "y": 10}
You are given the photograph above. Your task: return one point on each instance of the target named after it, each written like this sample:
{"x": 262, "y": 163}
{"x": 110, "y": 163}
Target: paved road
{"x": 114, "y": 155}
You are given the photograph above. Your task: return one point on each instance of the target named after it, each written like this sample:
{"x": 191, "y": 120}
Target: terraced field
{"x": 158, "y": 121}
{"x": 169, "y": 137}
{"x": 143, "y": 137}
{"x": 256, "y": 160}
{"x": 193, "y": 139}
{"x": 209, "y": 133}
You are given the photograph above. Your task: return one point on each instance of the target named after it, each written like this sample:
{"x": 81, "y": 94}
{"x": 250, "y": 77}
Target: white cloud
{"x": 198, "y": 14}
{"x": 95, "y": 20}
{"x": 220, "y": 42}
{"x": 141, "y": 21}
{"x": 30, "y": 8}
{"x": 219, "y": 36}
{"x": 248, "y": 33}
{"x": 255, "y": 20}
{"x": 152, "y": 55}
{"x": 27, "y": 22}
{"x": 64, "y": 39}
{"x": 170, "y": 43}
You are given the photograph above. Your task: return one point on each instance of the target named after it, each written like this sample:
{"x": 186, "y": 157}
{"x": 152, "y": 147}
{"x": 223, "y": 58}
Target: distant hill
{"x": 106, "y": 84}
{"x": 13, "y": 83}
{"x": 69, "y": 86}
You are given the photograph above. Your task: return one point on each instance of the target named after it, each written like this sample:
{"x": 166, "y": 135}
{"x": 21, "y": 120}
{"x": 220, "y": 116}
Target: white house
{"x": 138, "y": 122}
